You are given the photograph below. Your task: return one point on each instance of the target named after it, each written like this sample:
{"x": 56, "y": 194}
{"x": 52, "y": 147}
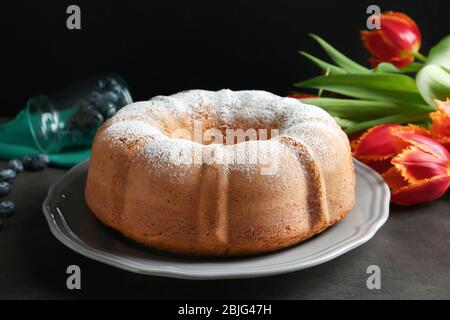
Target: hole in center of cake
{"x": 224, "y": 135}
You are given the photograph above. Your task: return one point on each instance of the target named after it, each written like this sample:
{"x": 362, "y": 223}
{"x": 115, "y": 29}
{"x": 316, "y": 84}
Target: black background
{"x": 161, "y": 47}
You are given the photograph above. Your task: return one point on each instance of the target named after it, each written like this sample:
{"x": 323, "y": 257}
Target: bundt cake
{"x": 220, "y": 173}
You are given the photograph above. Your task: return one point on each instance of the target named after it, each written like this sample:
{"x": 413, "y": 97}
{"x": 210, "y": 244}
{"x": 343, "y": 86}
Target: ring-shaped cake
{"x": 220, "y": 173}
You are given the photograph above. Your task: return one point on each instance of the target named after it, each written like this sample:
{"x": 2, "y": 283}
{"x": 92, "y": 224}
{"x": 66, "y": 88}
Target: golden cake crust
{"x": 142, "y": 183}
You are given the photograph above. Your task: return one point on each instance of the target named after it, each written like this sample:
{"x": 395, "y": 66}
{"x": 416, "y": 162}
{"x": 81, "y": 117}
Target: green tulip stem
{"x": 327, "y": 73}
{"x": 420, "y": 57}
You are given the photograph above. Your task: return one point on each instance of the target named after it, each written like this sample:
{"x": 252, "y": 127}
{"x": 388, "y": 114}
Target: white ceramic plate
{"x": 73, "y": 224}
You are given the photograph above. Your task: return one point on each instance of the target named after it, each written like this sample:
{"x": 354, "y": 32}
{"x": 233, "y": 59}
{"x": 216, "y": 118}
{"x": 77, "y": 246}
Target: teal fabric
{"x": 16, "y": 141}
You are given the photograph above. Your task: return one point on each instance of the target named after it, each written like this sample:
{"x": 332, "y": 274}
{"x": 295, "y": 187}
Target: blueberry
{"x": 88, "y": 108}
{"x": 95, "y": 98}
{"x": 87, "y": 119}
{"x": 6, "y": 209}
{"x": 111, "y": 82}
{"x": 101, "y": 84}
{"x": 110, "y": 97}
{"x": 5, "y": 188}
{"x": 95, "y": 118}
{"x": 16, "y": 165}
{"x": 7, "y": 175}
{"x": 117, "y": 89}
{"x": 108, "y": 110}
{"x": 26, "y": 161}
{"x": 39, "y": 163}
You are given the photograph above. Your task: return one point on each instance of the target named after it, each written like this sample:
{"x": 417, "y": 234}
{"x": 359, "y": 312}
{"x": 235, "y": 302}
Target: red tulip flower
{"x": 397, "y": 41}
{"x": 420, "y": 172}
{"x": 416, "y": 168}
{"x": 298, "y": 95}
{"x": 440, "y": 128}
{"x": 376, "y": 148}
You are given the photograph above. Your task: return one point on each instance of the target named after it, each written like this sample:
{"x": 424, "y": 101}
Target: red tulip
{"x": 397, "y": 41}
{"x": 376, "y": 147}
{"x": 440, "y": 128}
{"x": 420, "y": 172}
{"x": 416, "y": 168}
{"x": 298, "y": 95}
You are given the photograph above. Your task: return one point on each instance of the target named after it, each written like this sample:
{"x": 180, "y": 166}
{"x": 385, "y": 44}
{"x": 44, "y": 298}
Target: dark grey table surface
{"x": 412, "y": 251}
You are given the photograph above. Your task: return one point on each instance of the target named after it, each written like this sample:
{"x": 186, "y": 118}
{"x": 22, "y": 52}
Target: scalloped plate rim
{"x": 364, "y": 232}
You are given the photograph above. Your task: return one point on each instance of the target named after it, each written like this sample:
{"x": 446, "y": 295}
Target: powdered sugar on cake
{"x": 150, "y": 122}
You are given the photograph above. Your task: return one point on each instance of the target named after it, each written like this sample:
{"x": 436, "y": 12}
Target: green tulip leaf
{"x": 363, "y": 109}
{"x": 398, "y": 118}
{"x": 341, "y": 60}
{"x": 386, "y": 67}
{"x": 440, "y": 54}
{"x": 345, "y": 123}
{"x": 379, "y": 87}
{"x": 328, "y": 67}
{"x": 413, "y": 67}
{"x": 433, "y": 82}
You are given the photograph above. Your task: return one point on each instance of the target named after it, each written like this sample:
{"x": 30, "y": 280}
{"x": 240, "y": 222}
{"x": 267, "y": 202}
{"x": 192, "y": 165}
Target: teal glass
{"x": 70, "y": 118}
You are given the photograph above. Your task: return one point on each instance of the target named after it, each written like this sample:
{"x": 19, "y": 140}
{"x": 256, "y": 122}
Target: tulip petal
{"x": 440, "y": 128}
{"x": 379, "y": 166}
{"x": 397, "y": 41}
{"x": 374, "y": 62}
{"x": 440, "y": 125}
{"x": 298, "y": 95}
{"x": 411, "y": 128}
{"x": 443, "y": 106}
{"x": 444, "y": 140}
{"x": 376, "y": 144}
{"x": 378, "y": 45}
{"x": 424, "y": 143}
{"x": 422, "y": 191}
{"x": 398, "y": 62}
{"x": 401, "y": 32}
{"x": 400, "y": 16}
{"x": 415, "y": 164}
{"x": 394, "y": 179}
{"x": 402, "y": 62}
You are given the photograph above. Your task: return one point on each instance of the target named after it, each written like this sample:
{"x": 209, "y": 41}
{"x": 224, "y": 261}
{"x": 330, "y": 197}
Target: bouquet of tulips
{"x": 402, "y": 101}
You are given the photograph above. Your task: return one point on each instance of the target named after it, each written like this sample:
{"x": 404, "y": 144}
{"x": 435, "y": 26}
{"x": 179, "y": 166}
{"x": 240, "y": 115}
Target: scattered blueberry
{"x": 5, "y": 188}
{"x": 6, "y": 209}
{"x": 16, "y": 165}
{"x": 39, "y": 163}
{"x": 26, "y": 161}
{"x": 7, "y": 175}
